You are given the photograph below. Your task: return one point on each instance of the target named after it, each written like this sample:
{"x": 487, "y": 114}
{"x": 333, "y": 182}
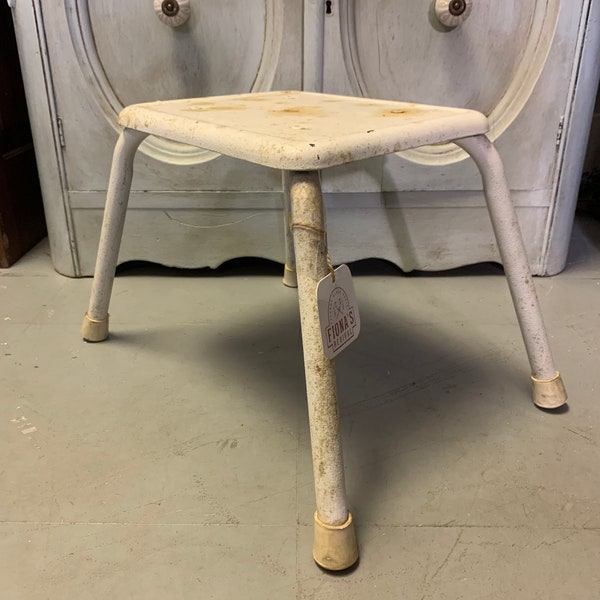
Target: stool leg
{"x": 289, "y": 270}
{"x": 95, "y": 322}
{"x": 335, "y": 541}
{"x": 548, "y": 388}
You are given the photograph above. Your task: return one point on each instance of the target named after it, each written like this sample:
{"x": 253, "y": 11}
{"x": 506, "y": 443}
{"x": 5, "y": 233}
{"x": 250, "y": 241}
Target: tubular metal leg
{"x": 548, "y": 388}
{"x": 289, "y": 270}
{"x": 335, "y": 541}
{"x": 95, "y": 322}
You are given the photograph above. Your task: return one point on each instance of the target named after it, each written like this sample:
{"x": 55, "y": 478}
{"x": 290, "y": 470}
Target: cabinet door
{"x": 105, "y": 54}
{"x": 121, "y": 54}
{"x": 511, "y": 60}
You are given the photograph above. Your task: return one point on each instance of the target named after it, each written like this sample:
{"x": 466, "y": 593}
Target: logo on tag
{"x": 338, "y": 311}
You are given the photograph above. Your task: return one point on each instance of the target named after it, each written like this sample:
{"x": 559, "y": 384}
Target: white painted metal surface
{"x": 302, "y": 132}
{"x": 308, "y": 230}
{"x": 95, "y": 327}
{"x": 512, "y": 252}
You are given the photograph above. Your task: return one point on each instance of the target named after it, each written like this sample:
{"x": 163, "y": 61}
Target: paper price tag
{"x": 338, "y": 311}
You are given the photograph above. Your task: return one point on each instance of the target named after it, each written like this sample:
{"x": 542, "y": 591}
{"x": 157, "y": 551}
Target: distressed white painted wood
{"x": 228, "y": 47}
{"x": 517, "y": 62}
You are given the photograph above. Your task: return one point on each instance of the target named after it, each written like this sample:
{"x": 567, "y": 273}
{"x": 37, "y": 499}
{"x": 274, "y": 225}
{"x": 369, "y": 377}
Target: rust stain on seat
{"x": 401, "y": 111}
{"x": 205, "y": 107}
{"x": 311, "y": 111}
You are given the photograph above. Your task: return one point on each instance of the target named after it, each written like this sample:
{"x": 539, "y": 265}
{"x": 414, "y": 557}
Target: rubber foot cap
{"x": 289, "y": 277}
{"x": 549, "y": 393}
{"x": 93, "y": 330}
{"x": 335, "y": 546}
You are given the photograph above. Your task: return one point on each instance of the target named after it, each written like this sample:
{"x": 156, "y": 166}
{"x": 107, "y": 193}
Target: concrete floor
{"x": 173, "y": 461}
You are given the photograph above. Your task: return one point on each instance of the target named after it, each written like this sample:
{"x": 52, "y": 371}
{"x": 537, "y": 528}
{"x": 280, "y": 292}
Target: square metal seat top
{"x": 301, "y": 131}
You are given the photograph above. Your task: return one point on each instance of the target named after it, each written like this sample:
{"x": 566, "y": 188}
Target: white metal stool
{"x": 302, "y": 133}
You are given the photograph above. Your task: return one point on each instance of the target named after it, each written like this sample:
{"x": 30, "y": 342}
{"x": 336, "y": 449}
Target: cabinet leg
{"x": 335, "y": 540}
{"x": 95, "y": 321}
{"x": 548, "y": 388}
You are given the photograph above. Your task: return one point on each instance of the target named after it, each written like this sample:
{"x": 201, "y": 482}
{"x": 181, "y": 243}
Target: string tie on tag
{"x": 323, "y": 234}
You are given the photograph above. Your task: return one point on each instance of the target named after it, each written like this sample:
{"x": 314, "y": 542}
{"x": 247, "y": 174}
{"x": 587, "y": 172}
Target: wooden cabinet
{"x": 523, "y": 64}
{"x": 21, "y": 214}
{"x": 531, "y": 66}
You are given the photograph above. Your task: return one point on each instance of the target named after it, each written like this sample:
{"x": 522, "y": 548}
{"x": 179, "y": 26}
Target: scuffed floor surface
{"x": 173, "y": 461}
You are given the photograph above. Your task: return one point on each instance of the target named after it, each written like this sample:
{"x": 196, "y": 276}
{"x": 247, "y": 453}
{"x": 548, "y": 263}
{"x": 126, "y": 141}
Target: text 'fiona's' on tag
{"x": 338, "y": 311}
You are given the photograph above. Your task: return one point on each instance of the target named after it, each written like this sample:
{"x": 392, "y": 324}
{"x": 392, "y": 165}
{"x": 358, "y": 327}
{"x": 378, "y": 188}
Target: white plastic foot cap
{"x": 335, "y": 546}
{"x": 93, "y": 330}
{"x": 549, "y": 393}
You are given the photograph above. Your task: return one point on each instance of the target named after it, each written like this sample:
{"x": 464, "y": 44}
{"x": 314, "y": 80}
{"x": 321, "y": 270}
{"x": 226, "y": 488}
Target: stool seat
{"x": 301, "y": 131}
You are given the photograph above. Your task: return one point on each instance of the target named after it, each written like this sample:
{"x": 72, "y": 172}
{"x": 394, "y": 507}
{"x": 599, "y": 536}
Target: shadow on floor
{"x": 422, "y": 379}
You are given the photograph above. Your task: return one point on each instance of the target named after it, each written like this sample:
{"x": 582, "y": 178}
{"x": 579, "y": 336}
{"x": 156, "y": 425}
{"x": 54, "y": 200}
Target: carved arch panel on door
{"x": 129, "y": 56}
{"x": 394, "y": 49}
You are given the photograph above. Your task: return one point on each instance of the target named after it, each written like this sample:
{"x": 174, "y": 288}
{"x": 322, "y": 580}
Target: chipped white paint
{"x": 24, "y": 425}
